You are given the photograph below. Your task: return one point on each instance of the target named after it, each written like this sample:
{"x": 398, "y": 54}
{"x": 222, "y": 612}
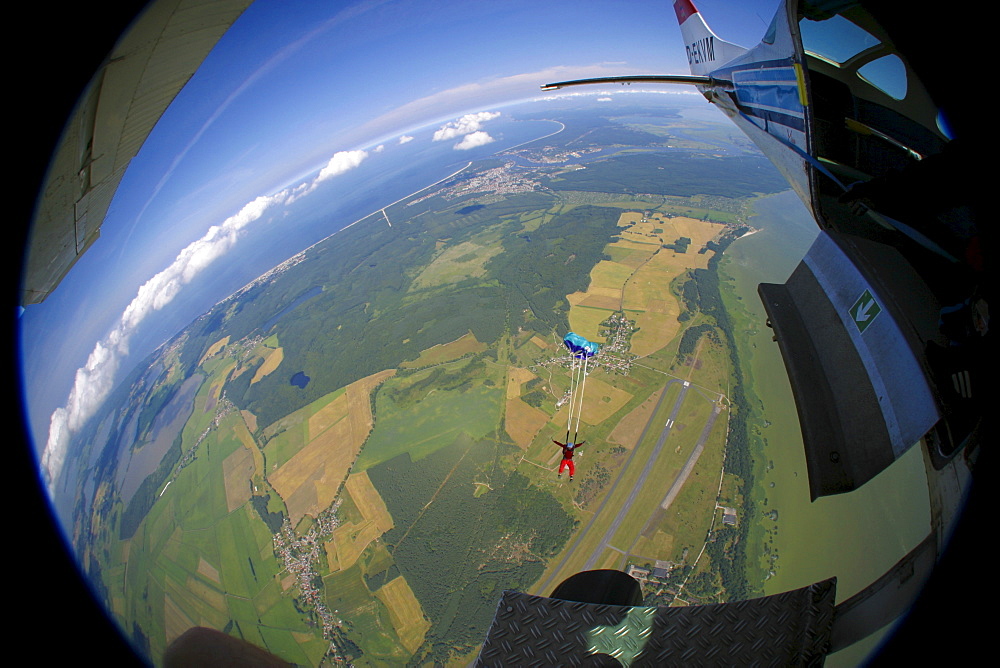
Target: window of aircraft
{"x": 835, "y": 40}
{"x": 888, "y": 74}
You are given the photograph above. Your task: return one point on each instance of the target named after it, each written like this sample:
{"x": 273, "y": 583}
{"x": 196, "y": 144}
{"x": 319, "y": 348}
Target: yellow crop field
{"x": 516, "y": 377}
{"x": 309, "y": 480}
{"x": 540, "y": 342}
{"x": 214, "y": 348}
{"x": 369, "y": 501}
{"x": 657, "y": 329}
{"x": 242, "y": 432}
{"x": 250, "y": 419}
{"x": 405, "y": 612}
{"x": 651, "y": 281}
{"x": 523, "y": 422}
{"x": 645, "y": 247}
{"x": 606, "y": 281}
{"x": 359, "y": 407}
{"x": 329, "y": 415}
{"x": 586, "y": 321}
{"x": 351, "y": 539}
{"x": 629, "y": 428}
{"x": 272, "y": 358}
{"x": 639, "y": 277}
{"x": 629, "y": 218}
{"x": 218, "y": 378}
{"x": 237, "y": 469}
{"x": 608, "y": 303}
{"x": 699, "y": 232}
{"x": 445, "y": 352}
{"x": 208, "y": 570}
{"x": 601, "y": 400}
{"x": 630, "y": 255}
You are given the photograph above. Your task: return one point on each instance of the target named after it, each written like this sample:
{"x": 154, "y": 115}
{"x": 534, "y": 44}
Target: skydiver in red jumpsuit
{"x": 568, "y": 449}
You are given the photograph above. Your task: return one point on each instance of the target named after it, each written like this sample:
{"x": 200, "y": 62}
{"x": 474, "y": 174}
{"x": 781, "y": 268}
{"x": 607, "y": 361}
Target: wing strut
{"x": 687, "y": 79}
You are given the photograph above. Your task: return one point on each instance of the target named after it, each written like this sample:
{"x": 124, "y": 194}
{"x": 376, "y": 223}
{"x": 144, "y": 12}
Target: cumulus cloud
{"x": 405, "y": 139}
{"x": 473, "y": 140}
{"x": 465, "y": 125}
{"x": 341, "y": 162}
{"x": 379, "y": 148}
{"x": 95, "y": 380}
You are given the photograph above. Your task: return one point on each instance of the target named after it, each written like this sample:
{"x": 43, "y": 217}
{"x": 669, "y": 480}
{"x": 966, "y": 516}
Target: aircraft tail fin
{"x": 705, "y": 51}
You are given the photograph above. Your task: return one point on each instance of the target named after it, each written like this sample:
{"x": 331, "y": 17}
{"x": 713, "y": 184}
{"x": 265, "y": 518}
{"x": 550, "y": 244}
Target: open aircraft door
{"x": 862, "y": 395}
{"x": 832, "y": 101}
{"x": 884, "y": 325}
{"x": 874, "y": 367}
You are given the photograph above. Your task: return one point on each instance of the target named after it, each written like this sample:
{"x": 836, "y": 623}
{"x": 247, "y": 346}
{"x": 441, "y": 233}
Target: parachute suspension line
{"x": 581, "y": 350}
{"x": 582, "y": 389}
{"x": 574, "y": 381}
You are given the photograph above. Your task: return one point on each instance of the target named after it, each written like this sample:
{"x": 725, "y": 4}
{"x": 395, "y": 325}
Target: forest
{"x": 731, "y": 561}
{"x": 369, "y": 303}
{"x": 457, "y": 551}
{"x": 677, "y": 174}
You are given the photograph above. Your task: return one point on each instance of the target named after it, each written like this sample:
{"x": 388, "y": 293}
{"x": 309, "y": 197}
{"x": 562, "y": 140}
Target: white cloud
{"x": 465, "y": 125}
{"x": 379, "y": 148}
{"x": 405, "y": 139}
{"x": 604, "y": 99}
{"x": 94, "y": 381}
{"x": 473, "y": 140}
{"x": 341, "y": 162}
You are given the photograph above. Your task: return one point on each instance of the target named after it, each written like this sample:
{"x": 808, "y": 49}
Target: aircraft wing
{"x": 126, "y": 97}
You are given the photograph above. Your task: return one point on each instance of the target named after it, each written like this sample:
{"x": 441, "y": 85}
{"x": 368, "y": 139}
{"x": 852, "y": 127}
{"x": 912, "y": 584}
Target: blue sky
{"x": 295, "y": 86}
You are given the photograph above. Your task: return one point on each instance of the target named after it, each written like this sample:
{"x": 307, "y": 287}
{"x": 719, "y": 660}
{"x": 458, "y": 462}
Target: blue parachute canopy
{"x": 579, "y": 346}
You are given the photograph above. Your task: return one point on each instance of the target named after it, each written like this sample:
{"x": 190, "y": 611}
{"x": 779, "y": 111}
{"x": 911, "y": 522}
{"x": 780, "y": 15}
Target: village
{"x": 299, "y": 555}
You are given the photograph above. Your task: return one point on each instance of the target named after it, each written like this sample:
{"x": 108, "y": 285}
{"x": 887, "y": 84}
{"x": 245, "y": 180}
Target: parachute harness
{"x": 582, "y": 350}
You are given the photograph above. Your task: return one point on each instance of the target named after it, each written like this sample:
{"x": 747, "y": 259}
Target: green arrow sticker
{"x": 865, "y": 310}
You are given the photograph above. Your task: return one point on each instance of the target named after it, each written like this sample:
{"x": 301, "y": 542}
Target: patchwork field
{"x": 446, "y": 352}
{"x": 272, "y": 359}
{"x": 456, "y": 263}
{"x": 333, "y": 433}
{"x": 214, "y": 348}
{"x": 351, "y": 539}
{"x": 433, "y": 422}
{"x": 600, "y": 401}
{"x": 636, "y": 276}
{"x": 405, "y": 612}
{"x": 523, "y": 422}
{"x": 450, "y": 496}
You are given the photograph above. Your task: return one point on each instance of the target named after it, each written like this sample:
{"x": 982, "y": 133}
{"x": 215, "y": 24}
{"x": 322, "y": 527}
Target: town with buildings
{"x": 494, "y": 183}
{"x": 300, "y": 555}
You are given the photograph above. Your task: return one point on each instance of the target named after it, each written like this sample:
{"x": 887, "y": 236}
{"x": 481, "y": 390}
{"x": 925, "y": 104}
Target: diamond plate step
{"x": 788, "y": 629}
